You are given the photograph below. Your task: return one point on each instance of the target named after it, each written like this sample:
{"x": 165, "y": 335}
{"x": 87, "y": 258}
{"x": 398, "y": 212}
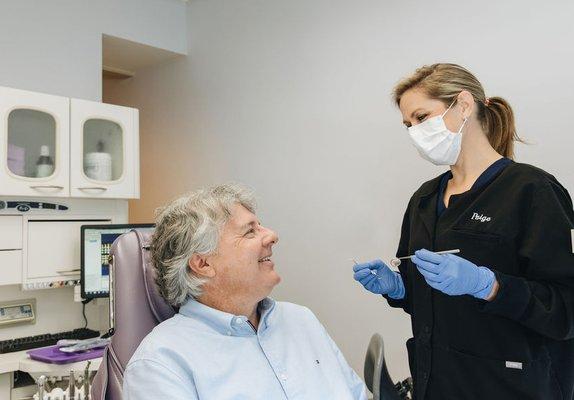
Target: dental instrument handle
{"x": 454, "y": 251}
{"x": 41, "y": 387}
{"x": 356, "y": 263}
{"x": 72, "y": 386}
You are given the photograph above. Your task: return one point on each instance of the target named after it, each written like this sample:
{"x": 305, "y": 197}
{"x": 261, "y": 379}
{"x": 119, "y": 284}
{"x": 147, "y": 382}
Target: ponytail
{"x": 497, "y": 120}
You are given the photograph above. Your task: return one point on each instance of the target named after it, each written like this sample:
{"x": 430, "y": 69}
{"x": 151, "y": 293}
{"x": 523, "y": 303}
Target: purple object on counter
{"x": 16, "y": 159}
{"x": 53, "y": 355}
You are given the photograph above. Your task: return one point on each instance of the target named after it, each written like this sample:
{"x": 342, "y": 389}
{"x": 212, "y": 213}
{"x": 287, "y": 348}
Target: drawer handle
{"x": 47, "y": 188}
{"x": 74, "y": 271}
{"x": 91, "y": 188}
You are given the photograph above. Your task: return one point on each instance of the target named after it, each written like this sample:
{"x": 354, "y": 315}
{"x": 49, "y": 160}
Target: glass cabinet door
{"x": 31, "y": 143}
{"x": 34, "y": 144}
{"x": 104, "y": 150}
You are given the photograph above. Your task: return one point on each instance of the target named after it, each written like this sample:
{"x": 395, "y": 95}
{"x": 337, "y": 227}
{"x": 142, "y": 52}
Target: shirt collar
{"x": 485, "y": 178}
{"x": 226, "y": 323}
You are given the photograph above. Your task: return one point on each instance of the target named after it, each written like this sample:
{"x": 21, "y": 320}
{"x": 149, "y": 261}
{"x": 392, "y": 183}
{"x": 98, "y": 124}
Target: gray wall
{"x": 293, "y": 98}
{"x": 55, "y": 47}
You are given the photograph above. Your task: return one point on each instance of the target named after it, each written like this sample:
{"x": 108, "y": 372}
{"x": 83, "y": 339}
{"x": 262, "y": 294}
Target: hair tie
{"x": 487, "y": 101}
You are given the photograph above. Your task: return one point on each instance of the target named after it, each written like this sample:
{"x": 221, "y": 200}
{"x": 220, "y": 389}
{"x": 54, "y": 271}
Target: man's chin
{"x": 272, "y": 283}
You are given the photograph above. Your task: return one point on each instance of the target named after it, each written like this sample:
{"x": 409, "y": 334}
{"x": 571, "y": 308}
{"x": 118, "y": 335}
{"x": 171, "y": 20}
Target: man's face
{"x": 242, "y": 263}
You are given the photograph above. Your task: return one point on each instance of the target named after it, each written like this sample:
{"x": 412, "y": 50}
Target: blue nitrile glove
{"x": 454, "y": 275}
{"x": 378, "y": 278}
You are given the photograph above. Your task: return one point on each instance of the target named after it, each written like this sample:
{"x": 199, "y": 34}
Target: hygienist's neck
{"x": 244, "y": 307}
{"x": 476, "y": 156}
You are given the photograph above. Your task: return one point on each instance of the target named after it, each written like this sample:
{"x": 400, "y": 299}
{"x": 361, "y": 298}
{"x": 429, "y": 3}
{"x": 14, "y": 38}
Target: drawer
{"x": 54, "y": 248}
{"x": 10, "y": 267}
{"x": 10, "y": 232}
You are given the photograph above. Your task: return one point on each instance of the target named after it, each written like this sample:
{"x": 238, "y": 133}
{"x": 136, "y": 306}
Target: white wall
{"x": 293, "y": 98}
{"x": 55, "y": 47}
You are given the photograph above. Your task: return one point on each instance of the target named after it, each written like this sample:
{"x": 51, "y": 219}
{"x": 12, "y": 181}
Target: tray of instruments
{"x": 54, "y": 355}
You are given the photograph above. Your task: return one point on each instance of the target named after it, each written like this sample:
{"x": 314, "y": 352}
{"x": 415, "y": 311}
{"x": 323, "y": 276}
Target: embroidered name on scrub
{"x": 480, "y": 217}
{"x": 513, "y": 365}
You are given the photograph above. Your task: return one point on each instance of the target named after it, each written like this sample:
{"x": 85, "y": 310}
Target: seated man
{"x": 229, "y": 340}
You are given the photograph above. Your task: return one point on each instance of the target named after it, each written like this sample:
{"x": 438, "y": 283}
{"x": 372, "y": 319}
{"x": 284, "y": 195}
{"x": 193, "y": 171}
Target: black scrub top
{"x": 520, "y": 345}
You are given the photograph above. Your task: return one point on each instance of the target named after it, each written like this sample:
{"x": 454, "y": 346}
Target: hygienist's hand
{"x": 454, "y": 275}
{"x": 378, "y": 278}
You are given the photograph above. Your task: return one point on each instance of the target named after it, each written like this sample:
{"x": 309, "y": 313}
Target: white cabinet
{"x": 34, "y": 144}
{"x": 10, "y": 250}
{"x": 55, "y": 146}
{"x": 47, "y": 259}
{"x": 104, "y": 146}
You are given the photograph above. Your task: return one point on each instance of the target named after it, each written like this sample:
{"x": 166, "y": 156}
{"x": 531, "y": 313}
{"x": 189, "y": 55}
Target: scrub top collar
{"x": 431, "y": 187}
{"x": 226, "y": 323}
{"x": 484, "y": 179}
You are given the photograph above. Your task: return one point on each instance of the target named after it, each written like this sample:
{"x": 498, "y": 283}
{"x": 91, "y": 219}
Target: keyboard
{"x": 47, "y": 339}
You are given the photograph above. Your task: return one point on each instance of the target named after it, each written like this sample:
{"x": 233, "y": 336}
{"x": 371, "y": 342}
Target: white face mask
{"x": 435, "y": 142}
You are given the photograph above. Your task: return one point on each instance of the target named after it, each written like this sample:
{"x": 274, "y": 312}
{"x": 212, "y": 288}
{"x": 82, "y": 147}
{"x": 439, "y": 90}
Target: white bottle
{"x": 45, "y": 164}
{"x": 98, "y": 165}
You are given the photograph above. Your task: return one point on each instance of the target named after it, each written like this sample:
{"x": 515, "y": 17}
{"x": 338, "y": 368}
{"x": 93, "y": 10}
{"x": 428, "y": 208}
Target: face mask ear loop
{"x": 449, "y": 107}
{"x": 463, "y": 124}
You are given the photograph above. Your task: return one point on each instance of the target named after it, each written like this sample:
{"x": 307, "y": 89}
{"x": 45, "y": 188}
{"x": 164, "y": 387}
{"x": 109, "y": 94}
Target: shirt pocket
{"x": 468, "y": 376}
{"x": 481, "y": 236}
{"x": 487, "y": 249}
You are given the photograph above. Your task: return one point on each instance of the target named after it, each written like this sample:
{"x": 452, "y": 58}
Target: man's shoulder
{"x": 291, "y": 312}
{"x": 293, "y": 308}
{"x": 160, "y": 342}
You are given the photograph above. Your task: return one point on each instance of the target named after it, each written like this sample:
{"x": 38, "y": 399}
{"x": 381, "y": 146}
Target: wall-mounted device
{"x": 25, "y": 206}
{"x": 18, "y": 312}
{"x": 40, "y": 238}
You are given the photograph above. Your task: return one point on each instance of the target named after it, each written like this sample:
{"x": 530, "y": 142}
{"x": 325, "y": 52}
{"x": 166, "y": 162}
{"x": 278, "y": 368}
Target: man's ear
{"x": 199, "y": 265}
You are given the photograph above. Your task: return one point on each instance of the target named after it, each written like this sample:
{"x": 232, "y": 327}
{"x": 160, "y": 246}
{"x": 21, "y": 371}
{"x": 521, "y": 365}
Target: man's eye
{"x": 250, "y": 231}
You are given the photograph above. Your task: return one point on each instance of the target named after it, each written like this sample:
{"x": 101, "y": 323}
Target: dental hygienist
{"x": 495, "y": 321}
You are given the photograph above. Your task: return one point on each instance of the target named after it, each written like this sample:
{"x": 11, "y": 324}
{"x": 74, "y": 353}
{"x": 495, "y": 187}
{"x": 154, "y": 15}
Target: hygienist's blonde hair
{"x": 445, "y": 81}
{"x": 191, "y": 225}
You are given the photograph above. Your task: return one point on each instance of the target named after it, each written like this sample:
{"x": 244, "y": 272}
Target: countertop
{"x": 19, "y": 361}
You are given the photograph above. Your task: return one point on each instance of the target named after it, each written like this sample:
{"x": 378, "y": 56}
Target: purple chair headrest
{"x": 160, "y": 308}
{"x": 138, "y": 308}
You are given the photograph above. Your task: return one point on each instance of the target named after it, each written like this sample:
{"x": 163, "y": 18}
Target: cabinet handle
{"x": 51, "y": 188}
{"x": 88, "y": 188}
{"x": 74, "y": 271}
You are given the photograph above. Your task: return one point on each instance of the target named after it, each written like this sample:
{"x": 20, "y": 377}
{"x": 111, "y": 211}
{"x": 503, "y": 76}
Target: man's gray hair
{"x": 192, "y": 225}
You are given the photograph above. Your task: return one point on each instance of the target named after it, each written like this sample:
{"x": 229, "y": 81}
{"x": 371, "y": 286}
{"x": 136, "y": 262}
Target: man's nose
{"x": 270, "y": 237}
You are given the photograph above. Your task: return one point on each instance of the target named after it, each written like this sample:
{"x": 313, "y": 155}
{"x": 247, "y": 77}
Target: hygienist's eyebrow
{"x": 412, "y": 115}
{"x": 414, "y": 112}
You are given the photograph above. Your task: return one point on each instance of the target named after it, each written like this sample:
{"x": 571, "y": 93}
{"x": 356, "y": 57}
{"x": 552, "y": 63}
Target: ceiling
{"x": 122, "y": 58}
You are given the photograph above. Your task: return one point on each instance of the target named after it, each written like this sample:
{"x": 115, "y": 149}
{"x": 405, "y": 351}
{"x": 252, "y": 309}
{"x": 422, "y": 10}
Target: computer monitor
{"x": 96, "y": 243}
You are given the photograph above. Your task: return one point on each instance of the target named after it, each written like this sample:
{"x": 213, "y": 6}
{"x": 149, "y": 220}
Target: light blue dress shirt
{"x": 205, "y": 354}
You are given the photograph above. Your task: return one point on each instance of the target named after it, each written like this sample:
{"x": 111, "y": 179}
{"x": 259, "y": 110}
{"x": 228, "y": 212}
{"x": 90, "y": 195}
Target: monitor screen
{"x": 96, "y": 243}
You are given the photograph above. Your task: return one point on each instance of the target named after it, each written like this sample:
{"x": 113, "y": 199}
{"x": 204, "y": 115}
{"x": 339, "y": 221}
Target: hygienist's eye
{"x": 421, "y": 117}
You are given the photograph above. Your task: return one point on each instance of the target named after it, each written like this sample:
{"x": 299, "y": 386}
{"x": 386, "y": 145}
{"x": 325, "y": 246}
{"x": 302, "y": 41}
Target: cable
{"x": 84, "y": 315}
{"x": 84, "y": 302}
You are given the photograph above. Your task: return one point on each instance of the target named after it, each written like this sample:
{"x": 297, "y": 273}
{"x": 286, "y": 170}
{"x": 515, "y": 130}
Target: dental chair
{"x": 377, "y": 377}
{"x": 136, "y": 307}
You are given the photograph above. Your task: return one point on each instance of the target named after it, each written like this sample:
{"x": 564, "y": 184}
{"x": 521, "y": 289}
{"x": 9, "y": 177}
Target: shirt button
{"x": 283, "y": 377}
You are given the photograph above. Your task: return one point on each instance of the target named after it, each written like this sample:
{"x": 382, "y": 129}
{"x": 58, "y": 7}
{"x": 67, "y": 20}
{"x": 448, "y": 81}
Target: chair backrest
{"x": 137, "y": 308}
{"x": 377, "y": 376}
